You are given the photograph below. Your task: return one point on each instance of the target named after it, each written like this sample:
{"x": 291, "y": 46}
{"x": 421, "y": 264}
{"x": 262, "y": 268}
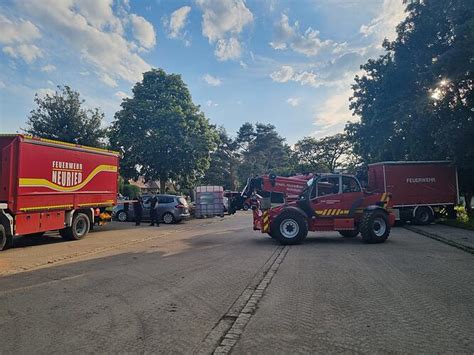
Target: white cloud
{"x": 28, "y": 52}
{"x": 98, "y": 44}
{"x": 121, "y": 95}
{"x": 243, "y": 64}
{"x": 308, "y": 43}
{"x": 99, "y": 14}
{"x": 222, "y": 22}
{"x": 212, "y": 80}
{"x": 107, "y": 80}
{"x": 283, "y": 75}
{"x": 19, "y": 31}
{"x": 332, "y": 116}
{"x": 45, "y": 91}
{"x": 293, "y": 101}
{"x": 143, "y": 31}
{"x": 2, "y": 85}
{"x": 210, "y": 103}
{"x": 228, "y": 49}
{"x": 48, "y": 68}
{"x": 384, "y": 25}
{"x": 177, "y": 22}
{"x": 287, "y": 73}
{"x": 18, "y": 35}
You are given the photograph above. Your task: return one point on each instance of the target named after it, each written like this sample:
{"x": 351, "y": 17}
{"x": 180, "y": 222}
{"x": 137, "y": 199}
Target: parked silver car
{"x": 171, "y": 208}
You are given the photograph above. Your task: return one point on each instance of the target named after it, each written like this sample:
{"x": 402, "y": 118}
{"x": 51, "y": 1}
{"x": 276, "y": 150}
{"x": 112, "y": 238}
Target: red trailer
{"x": 49, "y": 185}
{"x": 420, "y": 189}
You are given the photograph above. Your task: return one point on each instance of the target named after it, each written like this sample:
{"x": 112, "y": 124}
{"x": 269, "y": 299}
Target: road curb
{"x": 231, "y": 325}
{"x": 439, "y": 238}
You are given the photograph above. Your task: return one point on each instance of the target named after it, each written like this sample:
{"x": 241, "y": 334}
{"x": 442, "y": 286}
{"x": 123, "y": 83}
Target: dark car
{"x": 171, "y": 208}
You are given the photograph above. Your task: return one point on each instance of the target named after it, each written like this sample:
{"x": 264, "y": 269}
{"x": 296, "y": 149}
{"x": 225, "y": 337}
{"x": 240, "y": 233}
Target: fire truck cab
{"x": 328, "y": 202}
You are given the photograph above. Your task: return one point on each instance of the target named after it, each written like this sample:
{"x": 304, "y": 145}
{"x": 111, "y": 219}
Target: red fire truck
{"x": 420, "y": 189}
{"x": 49, "y": 185}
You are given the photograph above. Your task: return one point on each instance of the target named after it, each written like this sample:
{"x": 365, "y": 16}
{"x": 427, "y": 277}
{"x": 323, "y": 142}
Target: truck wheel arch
{"x": 375, "y": 207}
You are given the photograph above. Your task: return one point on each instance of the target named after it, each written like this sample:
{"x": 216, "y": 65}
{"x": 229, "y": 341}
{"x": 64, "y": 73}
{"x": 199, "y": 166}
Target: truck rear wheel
{"x": 374, "y": 227}
{"x": 79, "y": 228}
{"x": 423, "y": 216}
{"x": 6, "y": 241}
{"x": 289, "y": 228}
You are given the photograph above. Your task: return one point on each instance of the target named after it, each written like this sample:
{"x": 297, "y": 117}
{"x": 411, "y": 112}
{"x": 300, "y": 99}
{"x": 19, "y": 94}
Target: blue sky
{"x": 289, "y": 63}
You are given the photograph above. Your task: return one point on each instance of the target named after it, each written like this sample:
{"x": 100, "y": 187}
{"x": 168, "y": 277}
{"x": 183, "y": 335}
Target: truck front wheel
{"x": 374, "y": 227}
{"x": 79, "y": 228}
{"x": 6, "y": 241}
{"x": 289, "y": 228}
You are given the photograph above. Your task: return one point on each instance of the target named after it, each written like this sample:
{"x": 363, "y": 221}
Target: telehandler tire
{"x": 289, "y": 228}
{"x": 374, "y": 226}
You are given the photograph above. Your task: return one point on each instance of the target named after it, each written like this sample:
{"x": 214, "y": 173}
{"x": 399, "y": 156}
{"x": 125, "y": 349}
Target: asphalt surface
{"x": 215, "y": 285}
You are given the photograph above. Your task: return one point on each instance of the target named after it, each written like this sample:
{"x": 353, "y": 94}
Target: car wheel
{"x": 168, "y": 218}
{"x": 122, "y": 216}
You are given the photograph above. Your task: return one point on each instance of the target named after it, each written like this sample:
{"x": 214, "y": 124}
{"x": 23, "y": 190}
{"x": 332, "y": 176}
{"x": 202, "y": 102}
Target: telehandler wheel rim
{"x": 289, "y": 228}
{"x": 81, "y": 227}
{"x": 379, "y": 226}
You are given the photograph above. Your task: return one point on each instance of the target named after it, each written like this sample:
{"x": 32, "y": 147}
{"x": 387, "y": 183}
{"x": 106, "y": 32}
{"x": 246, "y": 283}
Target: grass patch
{"x": 462, "y": 221}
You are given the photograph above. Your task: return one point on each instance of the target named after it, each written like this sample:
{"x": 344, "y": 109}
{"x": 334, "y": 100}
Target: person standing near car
{"x": 138, "y": 210}
{"x": 154, "y": 210}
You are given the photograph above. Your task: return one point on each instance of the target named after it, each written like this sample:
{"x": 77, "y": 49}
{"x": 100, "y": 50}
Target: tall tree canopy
{"x": 224, "y": 163}
{"x": 60, "y": 116}
{"x": 323, "y": 155}
{"x": 416, "y": 100}
{"x": 263, "y": 150}
{"x": 161, "y": 132}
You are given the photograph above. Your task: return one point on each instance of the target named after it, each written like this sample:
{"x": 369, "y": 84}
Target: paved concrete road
{"x": 191, "y": 287}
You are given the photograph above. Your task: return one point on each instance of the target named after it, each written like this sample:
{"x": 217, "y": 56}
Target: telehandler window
{"x": 349, "y": 184}
{"x": 326, "y": 186}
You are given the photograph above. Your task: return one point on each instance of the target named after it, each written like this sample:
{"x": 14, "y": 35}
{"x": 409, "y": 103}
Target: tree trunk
{"x": 162, "y": 185}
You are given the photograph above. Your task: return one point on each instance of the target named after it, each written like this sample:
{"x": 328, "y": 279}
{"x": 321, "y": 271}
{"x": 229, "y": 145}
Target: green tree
{"x": 415, "y": 101}
{"x": 224, "y": 163}
{"x": 323, "y": 155}
{"x": 60, "y": 116}
{"x": 161, "y": 133}
{"x": 263, "y": 150}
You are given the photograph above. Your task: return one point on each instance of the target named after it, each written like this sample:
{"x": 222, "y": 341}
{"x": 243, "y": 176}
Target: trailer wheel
{"x": 79, "y": 228}
{"x": 289, "y": 228}
{"x": 6, "y": 241}
{"x": 374, "y": 227}
{"x": 423, "y": 216}
{"x": 349, "y": 234}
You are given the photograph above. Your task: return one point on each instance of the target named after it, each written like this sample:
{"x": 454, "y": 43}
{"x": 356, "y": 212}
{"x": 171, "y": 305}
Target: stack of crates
{"x": 209, "y": 201}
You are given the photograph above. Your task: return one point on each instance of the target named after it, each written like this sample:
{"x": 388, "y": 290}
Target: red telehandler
{"x": 319, "y": 202}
